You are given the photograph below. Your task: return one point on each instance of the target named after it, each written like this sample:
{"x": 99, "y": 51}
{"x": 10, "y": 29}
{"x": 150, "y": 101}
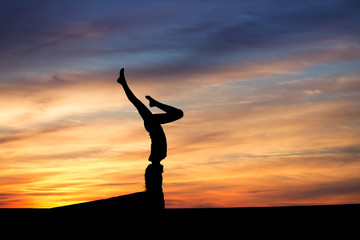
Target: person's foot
{"x": 152, "y": 102}
{"x": 121, "y": 79}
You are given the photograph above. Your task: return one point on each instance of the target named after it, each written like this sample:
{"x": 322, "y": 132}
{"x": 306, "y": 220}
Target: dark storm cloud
{"x": 224, "y": 37}
{"x": 190, "y": 35}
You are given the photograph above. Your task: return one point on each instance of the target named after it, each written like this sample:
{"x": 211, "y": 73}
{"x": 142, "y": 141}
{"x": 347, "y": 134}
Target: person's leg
{"x": 142, "y": 109}
{"x": 172, "y": 113}
{"x": 152, "y": 126}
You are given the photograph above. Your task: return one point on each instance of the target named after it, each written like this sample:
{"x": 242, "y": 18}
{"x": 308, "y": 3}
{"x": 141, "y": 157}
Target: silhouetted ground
{"x": 129, "y": 214}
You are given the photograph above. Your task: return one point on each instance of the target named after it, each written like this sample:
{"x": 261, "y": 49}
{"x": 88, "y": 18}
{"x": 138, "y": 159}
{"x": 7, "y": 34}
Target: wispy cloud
{"x": 269, "y": 90}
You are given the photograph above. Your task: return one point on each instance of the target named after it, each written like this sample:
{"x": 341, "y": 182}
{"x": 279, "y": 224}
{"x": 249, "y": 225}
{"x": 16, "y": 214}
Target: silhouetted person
{"x": 152, "y": 123}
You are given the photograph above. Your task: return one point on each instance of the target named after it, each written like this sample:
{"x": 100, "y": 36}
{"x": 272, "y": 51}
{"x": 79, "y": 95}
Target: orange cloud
{"x": 74, "y": 137}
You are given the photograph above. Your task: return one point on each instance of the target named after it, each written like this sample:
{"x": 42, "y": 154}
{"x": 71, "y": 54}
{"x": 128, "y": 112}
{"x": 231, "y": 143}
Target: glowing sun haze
{"x": 270, "y": 92}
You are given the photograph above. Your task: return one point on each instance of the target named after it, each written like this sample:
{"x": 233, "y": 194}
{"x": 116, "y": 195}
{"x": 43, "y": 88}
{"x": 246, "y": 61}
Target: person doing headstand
{"x": 152, "y": 123}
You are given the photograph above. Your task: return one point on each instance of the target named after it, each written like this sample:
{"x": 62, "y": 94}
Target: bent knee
{"x": 179, "y": 114}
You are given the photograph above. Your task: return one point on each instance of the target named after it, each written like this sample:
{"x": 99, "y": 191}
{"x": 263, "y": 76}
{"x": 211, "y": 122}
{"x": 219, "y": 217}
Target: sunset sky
{"x": 270, "y": 91}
